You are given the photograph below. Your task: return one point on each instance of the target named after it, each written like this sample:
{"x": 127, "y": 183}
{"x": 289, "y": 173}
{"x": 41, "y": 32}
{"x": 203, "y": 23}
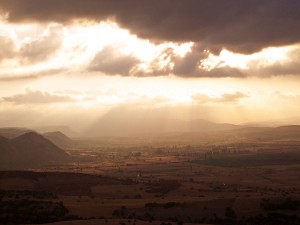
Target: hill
{"x": 63, "y": 129}
{"x": 286, "y": 133}
{"x": 12, "y": 132}
{"x": 30, "y": 150}
{"x": 204, "y": 126}
{"x": 132, "y": 123}
{"x": 59, "y": 139}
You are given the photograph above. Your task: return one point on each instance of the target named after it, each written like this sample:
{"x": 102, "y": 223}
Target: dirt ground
{"x": 154, "y": 190}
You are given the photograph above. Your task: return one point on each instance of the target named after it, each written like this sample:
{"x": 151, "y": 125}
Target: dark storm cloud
{"x": 242, "y": 26}
{"x": 37, "y": 97}
{"x": 182, "y": 66}
{"x": 191, "y": 66}
{"x": 110, "y": 62}
{"x": 189, "y": 63}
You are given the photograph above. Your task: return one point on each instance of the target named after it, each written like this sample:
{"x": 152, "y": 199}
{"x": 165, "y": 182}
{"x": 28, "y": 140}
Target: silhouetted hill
{"x": 30, "y": 150}
{"x": 63, "y": 129}
{"x": 59, "y": 139}
{"x": 7, "y": 150}
{"x": 3, "y": 140}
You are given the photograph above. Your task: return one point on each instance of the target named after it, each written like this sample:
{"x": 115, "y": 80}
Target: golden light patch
{"x": 263, "y": 58}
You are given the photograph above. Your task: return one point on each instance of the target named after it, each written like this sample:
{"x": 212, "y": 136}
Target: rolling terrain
{"x": 225, "y": 174}
{"x": 30, "y": 150}
{"x": 59, "y": 139}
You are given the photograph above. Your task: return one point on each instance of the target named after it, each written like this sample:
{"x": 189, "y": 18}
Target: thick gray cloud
{"x": 188, "y": 66}
{"x": 225, "y": 98}
{"x": 37, "y": 97}
{"x": 191, "y": 65}
{"x": 242, "y": 26}
{"x": 110, "y": 61}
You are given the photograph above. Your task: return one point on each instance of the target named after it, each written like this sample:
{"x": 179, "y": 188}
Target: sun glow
{"x": 263, "y": 58}
{"x": 81, "y": 42}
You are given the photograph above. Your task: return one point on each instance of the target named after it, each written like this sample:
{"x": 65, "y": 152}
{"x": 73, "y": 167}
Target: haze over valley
{"x": 143, "y": 112}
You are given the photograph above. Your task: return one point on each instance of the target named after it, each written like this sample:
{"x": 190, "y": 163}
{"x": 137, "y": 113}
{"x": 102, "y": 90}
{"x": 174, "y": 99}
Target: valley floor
{"x": 155, "y": 190}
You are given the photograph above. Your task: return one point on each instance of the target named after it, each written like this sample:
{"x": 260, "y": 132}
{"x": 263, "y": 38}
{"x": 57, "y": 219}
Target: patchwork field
{"x": 160, "y": 189}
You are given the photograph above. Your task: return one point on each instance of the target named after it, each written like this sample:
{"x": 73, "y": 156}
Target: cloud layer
{"x": 242, "y": 26}
{"x": 7, "y": 48}
{"x": 42, "y": 47}
{"x": 79, "y": 44}
{"x": 37, "y": 97}
{"x": 225, "y": 98}
{"x": 110, "y": 62}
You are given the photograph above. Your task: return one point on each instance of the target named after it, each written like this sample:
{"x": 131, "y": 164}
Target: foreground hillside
{"x": 168, "y": 190}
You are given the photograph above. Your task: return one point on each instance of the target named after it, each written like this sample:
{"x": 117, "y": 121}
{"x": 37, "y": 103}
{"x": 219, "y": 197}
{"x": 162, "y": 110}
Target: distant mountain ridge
{"x": 122, "y": 126}
{"x": 271, "y": 133}
{"x": 63, "y": 129}
{"x": 204, "y": 125}
{"x": 59, "y": 138}
{"x": 13, "y": 132}
{"x": 30, "y": 150}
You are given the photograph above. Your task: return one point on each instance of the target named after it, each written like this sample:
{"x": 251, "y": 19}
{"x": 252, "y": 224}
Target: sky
{"x": 75, "y": 63}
